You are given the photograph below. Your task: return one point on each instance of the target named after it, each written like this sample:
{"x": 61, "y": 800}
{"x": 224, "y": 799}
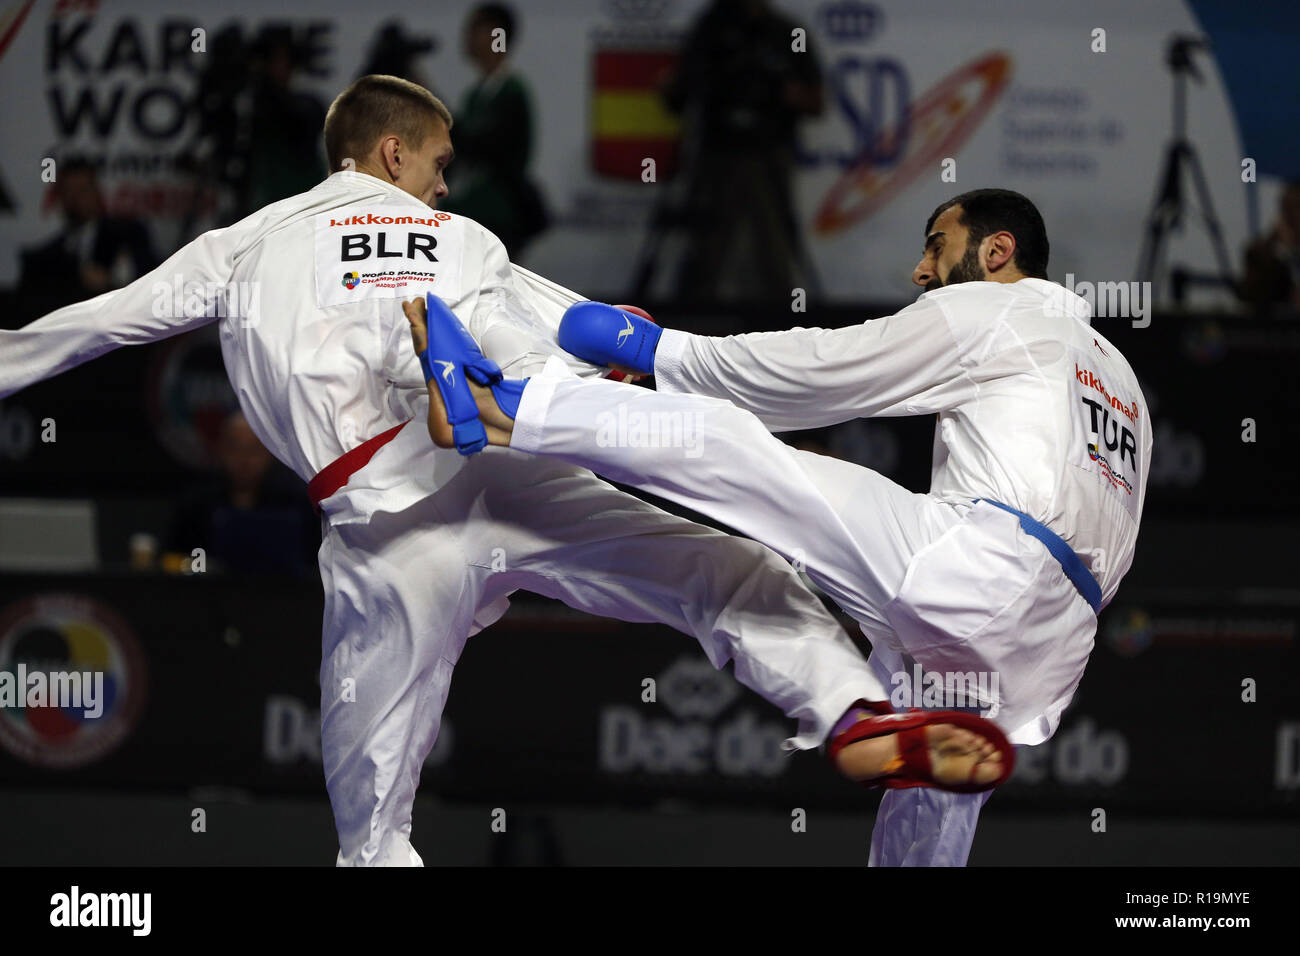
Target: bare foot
{"x": 956, "y": 756}
{"x": 497, "y": 424}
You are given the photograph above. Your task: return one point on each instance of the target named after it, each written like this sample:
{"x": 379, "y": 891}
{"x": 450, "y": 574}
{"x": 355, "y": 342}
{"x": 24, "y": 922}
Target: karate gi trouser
{"x": 403, "y": 592}
{"x": 955, "y": 586}
{"x": 925, "y": 827}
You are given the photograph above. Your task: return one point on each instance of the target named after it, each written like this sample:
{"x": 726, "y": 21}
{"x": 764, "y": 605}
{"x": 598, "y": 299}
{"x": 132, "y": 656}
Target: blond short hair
{"x": 373, "y": 107}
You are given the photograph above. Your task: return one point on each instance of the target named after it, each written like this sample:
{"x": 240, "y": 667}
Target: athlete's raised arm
{"x": 173, "y": 298}
{"x": 909, "y": 363}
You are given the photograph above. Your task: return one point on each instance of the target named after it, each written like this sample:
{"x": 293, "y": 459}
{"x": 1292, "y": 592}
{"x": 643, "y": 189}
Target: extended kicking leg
{"x": 953, "y": 751}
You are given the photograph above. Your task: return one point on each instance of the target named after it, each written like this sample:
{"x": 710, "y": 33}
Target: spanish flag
{"x": 629, "y": 121}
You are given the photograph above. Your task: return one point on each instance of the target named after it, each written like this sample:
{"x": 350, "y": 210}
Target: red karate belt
{"x": 336, "y": 474}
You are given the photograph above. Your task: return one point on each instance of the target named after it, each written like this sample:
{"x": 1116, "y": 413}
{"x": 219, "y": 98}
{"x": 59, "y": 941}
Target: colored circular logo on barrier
{"x": 1203, "y": 341}
{"x": 72, "y": 680}
{"x": 1129, "y": 631}
{"x": 937, "y": 124}
{"x": 351, "y": 280}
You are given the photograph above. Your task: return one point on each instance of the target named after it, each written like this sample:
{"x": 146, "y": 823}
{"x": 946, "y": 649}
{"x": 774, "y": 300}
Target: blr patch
{"x": 385, "y": 252}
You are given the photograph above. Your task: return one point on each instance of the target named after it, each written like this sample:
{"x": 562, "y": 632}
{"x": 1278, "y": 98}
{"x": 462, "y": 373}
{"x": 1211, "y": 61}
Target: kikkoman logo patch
{"x": 370, "y": 219}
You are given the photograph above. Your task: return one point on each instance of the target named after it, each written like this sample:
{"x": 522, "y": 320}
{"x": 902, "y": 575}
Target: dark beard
{"x": 966, "y": 270}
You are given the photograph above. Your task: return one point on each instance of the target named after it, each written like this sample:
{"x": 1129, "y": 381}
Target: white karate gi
{"x": 1036, "y": 410}
{"x": 422, "y": 546}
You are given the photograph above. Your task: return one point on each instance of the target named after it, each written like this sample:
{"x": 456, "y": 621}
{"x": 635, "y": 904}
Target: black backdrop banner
{"x": 212, "y": 682}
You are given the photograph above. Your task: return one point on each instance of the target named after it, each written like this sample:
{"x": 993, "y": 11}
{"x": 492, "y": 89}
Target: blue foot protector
{"x": 452, "y": 357}
{"x": 508, "y": 392}
{"x": 605, "y": 335}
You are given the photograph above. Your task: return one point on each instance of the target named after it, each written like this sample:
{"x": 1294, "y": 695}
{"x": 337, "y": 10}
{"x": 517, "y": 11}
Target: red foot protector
{"x": 614, "y": 374}
{"x": 912, "y": 766}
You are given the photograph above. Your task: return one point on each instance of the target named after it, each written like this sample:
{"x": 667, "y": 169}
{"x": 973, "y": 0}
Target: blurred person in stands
{"x": 494, "y": 137}
{"x": 742, "y": 91}
{"x": 285, "y": 155}
{"x": 252, "y": 518}
{"x": 1272, "y": 274}
{"x": 217, "y": 157}
{"x": 393, "y": 52}
{"x": 93, "y": 251}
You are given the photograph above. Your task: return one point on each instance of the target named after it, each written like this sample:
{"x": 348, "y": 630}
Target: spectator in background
{"x": 253, "y": 519}
{"x": 92, "y": 253}
{"x": 285, "y": 155}
{"x": 393, "y": 52}
{"x": 1272, "y": 273}
{"x": 218, "y": 156}
{"x": 742, "y": 90}
{"x": 493, "y": 137}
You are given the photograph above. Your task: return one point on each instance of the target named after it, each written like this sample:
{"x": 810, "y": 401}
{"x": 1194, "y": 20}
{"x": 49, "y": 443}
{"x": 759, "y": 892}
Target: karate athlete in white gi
{"x": 1041, "y": 455}
{"x": 422, "y": 547}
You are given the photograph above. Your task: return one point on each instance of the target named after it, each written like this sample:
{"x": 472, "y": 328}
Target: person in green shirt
{"x": 493, "y": 137}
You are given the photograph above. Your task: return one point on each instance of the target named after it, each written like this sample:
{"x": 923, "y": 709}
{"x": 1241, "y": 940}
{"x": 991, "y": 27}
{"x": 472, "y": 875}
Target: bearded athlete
{"x": 1042, "y": 451}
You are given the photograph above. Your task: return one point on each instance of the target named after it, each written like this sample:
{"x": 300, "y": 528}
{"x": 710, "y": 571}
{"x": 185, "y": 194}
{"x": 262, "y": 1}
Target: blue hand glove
{"x": 605, "y": 335}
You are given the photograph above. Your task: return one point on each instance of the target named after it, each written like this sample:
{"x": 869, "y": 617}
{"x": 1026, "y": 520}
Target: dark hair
{"x": 375, "y": 106}
{"x": 986, "y": 211}
{"x": 497, "y": 15}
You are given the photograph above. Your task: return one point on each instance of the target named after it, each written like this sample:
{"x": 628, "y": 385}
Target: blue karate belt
{"x": 1070, "y": 562}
